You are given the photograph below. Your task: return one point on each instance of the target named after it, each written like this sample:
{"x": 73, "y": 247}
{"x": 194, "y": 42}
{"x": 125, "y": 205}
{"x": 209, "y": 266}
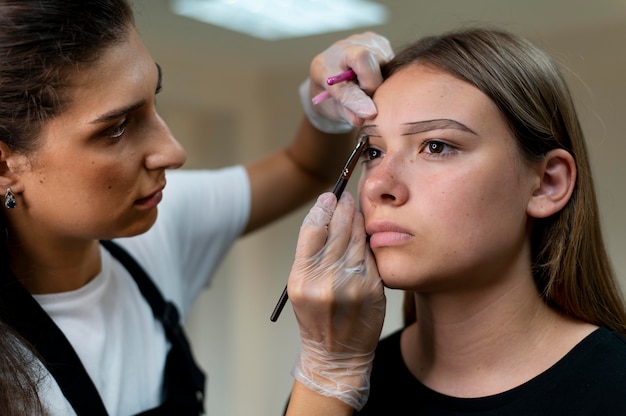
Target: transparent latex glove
{"x": 338, "y": 299}
{"x": 350, "y": 103}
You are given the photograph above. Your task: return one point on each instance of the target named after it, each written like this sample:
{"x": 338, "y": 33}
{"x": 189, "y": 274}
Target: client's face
{"x": 443, "y": 188}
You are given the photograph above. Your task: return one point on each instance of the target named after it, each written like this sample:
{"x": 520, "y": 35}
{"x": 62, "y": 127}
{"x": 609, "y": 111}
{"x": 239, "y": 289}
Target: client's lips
{"x": 384, "y": 234}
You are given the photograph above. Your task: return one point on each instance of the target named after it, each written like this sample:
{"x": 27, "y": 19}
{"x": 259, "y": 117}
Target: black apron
{"x": 183, "y": 380}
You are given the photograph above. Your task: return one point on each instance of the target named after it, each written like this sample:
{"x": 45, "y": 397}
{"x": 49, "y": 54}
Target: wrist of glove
{"x": 343, "y": 376}
{"x": 318, "y": 121}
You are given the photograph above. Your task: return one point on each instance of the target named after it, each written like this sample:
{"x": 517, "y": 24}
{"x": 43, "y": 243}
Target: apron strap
{"x": 184, "y": 381}
{"x": 28, "y": 318}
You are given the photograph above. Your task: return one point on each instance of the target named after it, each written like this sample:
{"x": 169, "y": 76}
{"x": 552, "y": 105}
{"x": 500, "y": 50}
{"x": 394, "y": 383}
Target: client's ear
{"x": 557, "y": 177}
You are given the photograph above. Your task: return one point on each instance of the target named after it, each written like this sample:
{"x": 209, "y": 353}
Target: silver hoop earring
{"x": 9, "y": 199}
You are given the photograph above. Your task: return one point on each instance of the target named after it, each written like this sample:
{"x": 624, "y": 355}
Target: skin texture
{"x": 449, "y": 204}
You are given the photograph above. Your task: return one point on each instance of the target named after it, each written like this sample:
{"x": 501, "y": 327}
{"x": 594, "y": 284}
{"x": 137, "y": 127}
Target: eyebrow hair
{"x": 120, "y": 112}
{"x": 437, "y": 124}
{"x": 425, "y": 125}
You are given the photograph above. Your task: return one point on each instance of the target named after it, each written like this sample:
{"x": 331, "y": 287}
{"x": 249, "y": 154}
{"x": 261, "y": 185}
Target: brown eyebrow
{"x": 115, "y": 114}
{"x": 421, "y": 126}
{"x": 120, "y": 112}
{"x": 437, "y": 124}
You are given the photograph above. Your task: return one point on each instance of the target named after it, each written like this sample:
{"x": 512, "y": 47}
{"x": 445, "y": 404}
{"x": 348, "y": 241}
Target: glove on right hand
{"x": 339, "y": 301}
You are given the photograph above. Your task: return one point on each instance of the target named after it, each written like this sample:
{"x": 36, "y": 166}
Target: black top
{"x": 589, "y": 380}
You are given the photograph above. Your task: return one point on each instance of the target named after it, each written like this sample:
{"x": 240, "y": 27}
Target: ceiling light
{"x": 280, "y": 19}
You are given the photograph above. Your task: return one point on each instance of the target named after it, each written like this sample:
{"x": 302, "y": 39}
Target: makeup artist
{"x": 94, "y": 284}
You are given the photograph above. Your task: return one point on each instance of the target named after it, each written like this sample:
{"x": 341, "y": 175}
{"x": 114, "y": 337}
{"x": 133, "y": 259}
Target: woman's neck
{"x": 53, "y": 268}
{"x": 477, "y": 345}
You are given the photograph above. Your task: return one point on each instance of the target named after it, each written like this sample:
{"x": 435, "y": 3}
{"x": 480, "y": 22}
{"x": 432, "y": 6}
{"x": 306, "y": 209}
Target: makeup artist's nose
{"x": 385, "y": 184}
{"x": 167, "y": 152}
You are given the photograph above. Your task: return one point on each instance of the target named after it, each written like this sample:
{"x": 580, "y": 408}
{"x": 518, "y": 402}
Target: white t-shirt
{"x": 108, "y": 321}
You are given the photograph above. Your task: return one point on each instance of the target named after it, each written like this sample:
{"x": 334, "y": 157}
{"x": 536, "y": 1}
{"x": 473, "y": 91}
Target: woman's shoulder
{"x": 605, "y": 342}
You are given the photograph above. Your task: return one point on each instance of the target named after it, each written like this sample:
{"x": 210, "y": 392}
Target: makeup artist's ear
{"x": 11, "y": 164}
{"x": 556, "y": 181}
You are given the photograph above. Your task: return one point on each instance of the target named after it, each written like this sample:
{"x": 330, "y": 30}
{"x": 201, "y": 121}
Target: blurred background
{"x": 230, "y": 97}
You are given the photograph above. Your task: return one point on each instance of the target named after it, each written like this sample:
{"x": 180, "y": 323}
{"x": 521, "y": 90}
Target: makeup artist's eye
{"x": 118, "y": 131}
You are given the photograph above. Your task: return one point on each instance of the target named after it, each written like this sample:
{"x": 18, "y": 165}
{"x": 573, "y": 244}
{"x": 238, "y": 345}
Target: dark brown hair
{"x": 42, "y": 43}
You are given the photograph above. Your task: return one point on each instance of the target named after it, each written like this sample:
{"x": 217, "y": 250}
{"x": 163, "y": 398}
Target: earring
{"x": 9, "y": 199}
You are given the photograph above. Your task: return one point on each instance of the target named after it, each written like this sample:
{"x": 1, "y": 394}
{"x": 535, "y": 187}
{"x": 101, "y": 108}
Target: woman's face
{"x": 443, "y": 188}
{"x": 99, "y": 171}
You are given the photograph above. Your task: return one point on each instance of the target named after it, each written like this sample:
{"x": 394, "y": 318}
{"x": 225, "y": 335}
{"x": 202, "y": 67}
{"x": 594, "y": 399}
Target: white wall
{"x": 226, "y": 117}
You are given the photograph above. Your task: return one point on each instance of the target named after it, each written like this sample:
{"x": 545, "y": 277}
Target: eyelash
{"x": 443, "y": 145}
{"x": 371, "y": 153}
{"x": 117, "y": 132}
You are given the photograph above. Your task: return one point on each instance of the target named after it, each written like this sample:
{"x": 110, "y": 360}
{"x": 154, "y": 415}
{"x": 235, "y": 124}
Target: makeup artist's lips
{"x": 385, "y": 234}
{"x": 150, "y": 201}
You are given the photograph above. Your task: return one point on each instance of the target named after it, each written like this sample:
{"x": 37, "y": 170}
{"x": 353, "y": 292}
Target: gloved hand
{"x": 350, "y": 104}
{"x": 338, "y": 299}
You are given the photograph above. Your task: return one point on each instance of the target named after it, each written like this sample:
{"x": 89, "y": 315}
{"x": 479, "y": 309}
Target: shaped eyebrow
{"x": 421, "y": 126}
{"x": 115, "y": 114}
{"x": 437, "y": 124}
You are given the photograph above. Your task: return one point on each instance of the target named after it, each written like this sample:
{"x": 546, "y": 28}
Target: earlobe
{"x": 557, "y": 178}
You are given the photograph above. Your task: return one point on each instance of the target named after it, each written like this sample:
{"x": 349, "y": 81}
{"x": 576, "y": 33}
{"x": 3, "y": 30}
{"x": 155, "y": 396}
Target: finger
{"x": 340, "y": 229}
{"x": 354, "y": 261}
{"x": 314, "y": 229}
{"x": 356, "y": 103}
{"x": 366, "y": 66}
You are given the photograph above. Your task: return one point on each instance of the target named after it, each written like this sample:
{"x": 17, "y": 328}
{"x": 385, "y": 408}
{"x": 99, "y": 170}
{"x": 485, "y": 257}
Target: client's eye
{"x": 371, "y": 153}
{"x": 437, "y": 147}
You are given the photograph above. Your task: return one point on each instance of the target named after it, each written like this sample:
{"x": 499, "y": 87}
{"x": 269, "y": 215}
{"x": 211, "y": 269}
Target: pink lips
{"x": 150, "y": 201}
{"x": 385, "y": 234}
